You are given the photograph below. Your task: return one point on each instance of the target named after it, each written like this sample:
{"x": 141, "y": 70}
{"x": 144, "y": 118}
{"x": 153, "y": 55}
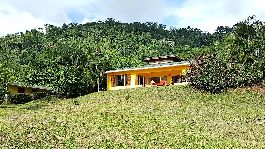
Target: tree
{"x": 240, "y": 63}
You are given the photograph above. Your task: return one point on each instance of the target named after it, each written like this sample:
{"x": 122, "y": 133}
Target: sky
{"x": 22, "y": 15}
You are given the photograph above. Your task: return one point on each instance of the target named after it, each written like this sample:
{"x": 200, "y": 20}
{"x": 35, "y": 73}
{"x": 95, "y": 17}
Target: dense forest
{"x": 70, "y": 58}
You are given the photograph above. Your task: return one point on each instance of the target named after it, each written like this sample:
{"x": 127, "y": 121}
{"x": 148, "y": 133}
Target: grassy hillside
{"x": 148, "y": 117}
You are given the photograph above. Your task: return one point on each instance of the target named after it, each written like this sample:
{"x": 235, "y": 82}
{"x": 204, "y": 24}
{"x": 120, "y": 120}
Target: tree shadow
{"x": 32, "y": 105}
{"x": 6, "y": 106}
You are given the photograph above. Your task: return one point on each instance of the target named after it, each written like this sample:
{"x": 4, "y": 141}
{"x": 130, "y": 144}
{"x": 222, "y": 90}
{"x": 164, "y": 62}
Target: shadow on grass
{"x": 32, "y": 105}
{"x": 36, "y": 106}
{"x": 39, "y": 104}
{"x": 6, "y": 107}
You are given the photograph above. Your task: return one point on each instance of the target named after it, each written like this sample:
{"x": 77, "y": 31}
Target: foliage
{"x": 71, "y": 58}
{"x": 158, "y": 117}
{"x": 6, "y": 77}
{"x": 213, "y": 74}
{"x": 241, "y": 62}
{"x": 247, "y": 47}
{"x": 209, "y": 74}
{"x": 20, "y": 98}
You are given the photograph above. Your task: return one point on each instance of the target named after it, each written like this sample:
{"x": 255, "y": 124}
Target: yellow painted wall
{"x": 13, "y": 89}
{"x": 108, "y": 81}
{"x": 152, "y": 72}
{"x": 169, "y": 78}
{"x": 133, "y": 80}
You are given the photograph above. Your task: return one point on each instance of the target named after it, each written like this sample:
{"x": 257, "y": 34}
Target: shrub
{"x": 22, "y": 98}
{"x": 239, "y": 63}
{"x": 216, "y": 75}
{"x": 209, "y": 74}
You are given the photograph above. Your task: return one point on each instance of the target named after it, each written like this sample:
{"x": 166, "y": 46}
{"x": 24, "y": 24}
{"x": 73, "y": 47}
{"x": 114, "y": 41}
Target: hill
{"x": 148, "y": 117}
{"x": 70, "y": 58}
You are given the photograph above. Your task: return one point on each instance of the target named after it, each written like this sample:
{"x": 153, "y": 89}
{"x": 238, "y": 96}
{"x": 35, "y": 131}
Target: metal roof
{"x": 33, "y": 87}
{"x": 161, "y": 57}
{"x": 159, "y": 65}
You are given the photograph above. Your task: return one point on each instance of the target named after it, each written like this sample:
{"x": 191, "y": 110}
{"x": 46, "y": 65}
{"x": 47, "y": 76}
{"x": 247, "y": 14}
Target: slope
{"x": 148, "y": 117}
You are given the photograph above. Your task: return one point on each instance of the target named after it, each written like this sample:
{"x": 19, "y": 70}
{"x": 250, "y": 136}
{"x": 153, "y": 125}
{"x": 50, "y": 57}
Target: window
{"x": 157, "y": 80}
{"x": 140, "y": 80}
{"x": 21, "y": 90}
{"x": 163, "y": 78}
{"x": 34, "y": 90}
{"x": 120, "y": 80}
{"x": 178, "y": 79}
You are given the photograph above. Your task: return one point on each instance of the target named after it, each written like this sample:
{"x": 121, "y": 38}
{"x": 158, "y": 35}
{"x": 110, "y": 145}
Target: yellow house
{"x": 161, "y": 71}
{"x": 28, "y": 90}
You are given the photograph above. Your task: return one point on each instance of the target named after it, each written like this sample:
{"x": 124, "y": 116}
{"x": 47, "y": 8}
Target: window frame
{"x": 21, "y": 90}
{"x": 124, "y": 80}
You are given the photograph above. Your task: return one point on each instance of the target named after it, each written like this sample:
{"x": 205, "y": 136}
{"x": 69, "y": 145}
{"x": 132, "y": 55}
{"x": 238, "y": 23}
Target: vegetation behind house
{"x": 71, "y": 58}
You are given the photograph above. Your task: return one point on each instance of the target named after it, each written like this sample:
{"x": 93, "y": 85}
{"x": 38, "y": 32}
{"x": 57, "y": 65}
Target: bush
{"x": 22, "y": 98}
{"x": 209, "y": 74}
{"x": 239, "y": 63}
{"x": 216, "y": 75}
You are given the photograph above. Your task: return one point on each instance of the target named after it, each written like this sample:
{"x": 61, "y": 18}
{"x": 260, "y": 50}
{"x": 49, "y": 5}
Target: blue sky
{"x": 21, "y": 15}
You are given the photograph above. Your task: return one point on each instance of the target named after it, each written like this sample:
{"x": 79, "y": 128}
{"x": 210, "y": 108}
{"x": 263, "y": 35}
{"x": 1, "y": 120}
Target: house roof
{"x": 160, "y": 65}
{"x": 33, "y": 87}
{"x": 172, "y": 57}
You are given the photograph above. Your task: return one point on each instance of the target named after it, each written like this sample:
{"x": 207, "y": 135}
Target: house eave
{"x": 32, "y": 87}
{"x": 183, "y": 63}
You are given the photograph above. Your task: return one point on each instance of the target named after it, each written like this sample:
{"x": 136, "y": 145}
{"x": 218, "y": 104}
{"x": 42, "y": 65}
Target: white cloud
{"x": 13, "y": 20}
{"x": 26, "y": 14}
{"x": 53, "y": 11}
{"x": 133, "y": 10}
{"x": 128, "y": 11}
{"x": 208, "y": 14}
{"x": 19, "y": 15}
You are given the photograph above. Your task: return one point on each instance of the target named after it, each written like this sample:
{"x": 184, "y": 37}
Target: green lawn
{"x": 165, "y": 117}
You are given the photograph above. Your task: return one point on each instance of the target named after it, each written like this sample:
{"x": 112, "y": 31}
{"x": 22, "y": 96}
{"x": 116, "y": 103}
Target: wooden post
{"x": 98, "y": 84}
{"x": 124, "y": 80}
{"x": 143, "y": 81}
{"x": 97, "y": 77}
